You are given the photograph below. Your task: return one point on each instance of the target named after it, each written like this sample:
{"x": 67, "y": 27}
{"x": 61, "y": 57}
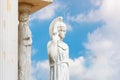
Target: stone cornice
{"x": 35, "y": 4}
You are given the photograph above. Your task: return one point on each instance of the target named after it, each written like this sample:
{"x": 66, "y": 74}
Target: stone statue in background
{"x": 24, "y": 51}
{"x": 58, "y": 51}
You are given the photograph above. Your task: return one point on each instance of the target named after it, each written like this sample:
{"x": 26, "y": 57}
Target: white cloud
{"x": 46, "y": 13}
{"x": 77, "y": 69}
{"x": 96, "y": 2}
{"x": 92, "y": 16}
{"x": 40, "y": 70}
{"x": 108, "y": 10}
{"x": 34, "y": 51}
{"x": 105, "y": 47}
{"x": 69, "y": 27}
{"x": 104, "y": 44}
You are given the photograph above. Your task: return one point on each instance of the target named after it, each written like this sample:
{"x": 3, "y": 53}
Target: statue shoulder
{"x": 63, "y": 45}
{"x": 51, "y": 44}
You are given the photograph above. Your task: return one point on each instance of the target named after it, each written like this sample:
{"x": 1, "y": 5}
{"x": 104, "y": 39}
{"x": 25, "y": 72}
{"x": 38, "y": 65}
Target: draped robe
{"x": 59, "y": 60}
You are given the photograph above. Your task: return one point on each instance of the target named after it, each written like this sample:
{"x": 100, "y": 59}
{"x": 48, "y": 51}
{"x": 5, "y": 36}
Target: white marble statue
{"x": 24, "y": 53}
{"x": 58, "y": 51}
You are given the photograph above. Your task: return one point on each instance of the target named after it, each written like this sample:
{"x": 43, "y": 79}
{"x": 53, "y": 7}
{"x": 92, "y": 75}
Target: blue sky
{"x": 92, "y": 36}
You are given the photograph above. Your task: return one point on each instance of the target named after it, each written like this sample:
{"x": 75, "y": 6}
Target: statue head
{"x": 57, "y": 29}
{"x": 23, "y": 17}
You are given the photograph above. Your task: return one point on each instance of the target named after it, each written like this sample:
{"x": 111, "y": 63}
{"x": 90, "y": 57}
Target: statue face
{"x": 24, "y": 17}
{"x": 62, "y": 32}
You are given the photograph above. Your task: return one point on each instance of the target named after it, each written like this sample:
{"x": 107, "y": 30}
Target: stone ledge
{"x": 35, "y": 4}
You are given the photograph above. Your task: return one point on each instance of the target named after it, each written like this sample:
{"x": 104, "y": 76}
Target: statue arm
{"x": 52, "y": 52}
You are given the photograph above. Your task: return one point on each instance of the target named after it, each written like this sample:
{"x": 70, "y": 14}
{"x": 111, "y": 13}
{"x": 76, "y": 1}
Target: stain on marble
{"x": 4, "y": 23}
{"x": 8, "y": 5}
{"x": 4, "y": 55}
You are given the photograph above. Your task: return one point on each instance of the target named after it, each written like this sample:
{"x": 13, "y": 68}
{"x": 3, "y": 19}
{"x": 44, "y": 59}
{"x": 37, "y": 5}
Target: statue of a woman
{"x": 58, "y": 51}
{"x": 25, "y": 42}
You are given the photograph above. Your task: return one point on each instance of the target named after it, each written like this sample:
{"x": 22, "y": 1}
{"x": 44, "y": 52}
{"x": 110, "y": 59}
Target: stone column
{"x": 25, "y": 42}
{"x": 26, "y": 7}
{"x": 8, "y": 39}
